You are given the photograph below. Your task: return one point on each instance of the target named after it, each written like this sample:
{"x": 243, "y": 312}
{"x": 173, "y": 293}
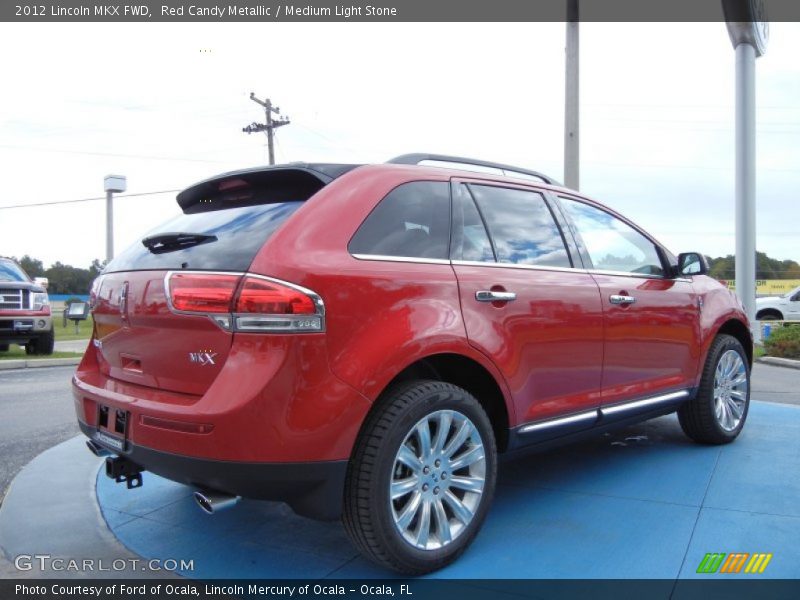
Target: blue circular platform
{"x": 641, "y": 503}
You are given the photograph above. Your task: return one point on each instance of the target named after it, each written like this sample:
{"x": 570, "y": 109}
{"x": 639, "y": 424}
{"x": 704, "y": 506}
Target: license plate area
{"x": 112, "y": 427}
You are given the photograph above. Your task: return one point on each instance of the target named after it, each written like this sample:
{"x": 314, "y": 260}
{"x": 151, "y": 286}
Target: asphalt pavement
{"x": 36, "y": 413}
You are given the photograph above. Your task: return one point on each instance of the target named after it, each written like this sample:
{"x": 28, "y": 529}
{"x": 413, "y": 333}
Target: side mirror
{"x": 41, "y": 281}
{"x": 692, "y": 263}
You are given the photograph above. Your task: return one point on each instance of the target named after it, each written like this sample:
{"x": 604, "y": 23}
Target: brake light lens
{"x": 196, "y": 292}
{"x": 247, "y": 303}
{"x": 271, "y": 298}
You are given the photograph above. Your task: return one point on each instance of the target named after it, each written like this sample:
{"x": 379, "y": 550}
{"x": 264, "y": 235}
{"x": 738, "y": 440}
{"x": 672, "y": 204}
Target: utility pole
{"x": 270, "y": 126}
{"x": 571, "y": 99}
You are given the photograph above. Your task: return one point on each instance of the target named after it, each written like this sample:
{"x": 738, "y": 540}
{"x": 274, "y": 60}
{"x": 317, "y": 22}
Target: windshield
{"x": 792, "y": 292}
{"x": 9, "y": 271}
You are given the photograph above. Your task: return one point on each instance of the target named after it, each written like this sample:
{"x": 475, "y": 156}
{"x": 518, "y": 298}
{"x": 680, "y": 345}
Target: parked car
{"x": 779, "y": 308}
{"x": 24, "y": 311}
{"x": 363, "y": 341}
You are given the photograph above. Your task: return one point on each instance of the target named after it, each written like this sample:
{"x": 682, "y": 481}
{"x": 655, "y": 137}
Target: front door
{"x": 651, "y": 319}
{"x": 524, "y": 305}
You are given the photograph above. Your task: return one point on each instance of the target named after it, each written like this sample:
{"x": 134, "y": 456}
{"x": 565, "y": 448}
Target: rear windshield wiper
{"x": 169, "y": 242}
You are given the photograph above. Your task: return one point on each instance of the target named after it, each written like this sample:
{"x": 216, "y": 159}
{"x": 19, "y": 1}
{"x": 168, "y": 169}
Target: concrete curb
{"x": 36, "y": 363}
{"x": 779, "y": 362}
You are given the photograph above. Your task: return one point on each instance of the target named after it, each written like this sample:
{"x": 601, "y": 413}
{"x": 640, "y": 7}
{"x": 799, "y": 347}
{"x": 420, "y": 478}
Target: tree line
{"x": 62, "y": 279}
{"x": 66, "y": 279}
{"x": 724, "y": 267}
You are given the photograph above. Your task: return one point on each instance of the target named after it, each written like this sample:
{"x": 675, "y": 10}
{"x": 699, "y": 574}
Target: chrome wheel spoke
{"x": 461, "y": 512}
{"x": 445, "y": 420}
{"x": 735, "y": 409}
{"x": 465, "y": 459}
{"x": 408, "y": 458}
{"x": 423, "y": 430}
{"x": 726, "y": 415}
{"x": 409, "y": 512}
{"x": 740, "y": 379}
{"x": 458, "y": 439}
{"x": 403, "y": 486}
{"x": 470, "y": 484}
{"x": 424, "y": 525}
{"x": 442, "y": 522}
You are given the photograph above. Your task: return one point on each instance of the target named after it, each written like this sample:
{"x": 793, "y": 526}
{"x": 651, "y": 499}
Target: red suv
{"x": 363, "y": 341}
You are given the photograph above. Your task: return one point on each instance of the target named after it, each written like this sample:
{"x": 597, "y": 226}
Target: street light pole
{"x": 109, "y": 226}
{"x": 571, "y": 99}
{"x": 111, "y": 184}
{"x": 746, "y": 180}
{"x": 749, "y": 33}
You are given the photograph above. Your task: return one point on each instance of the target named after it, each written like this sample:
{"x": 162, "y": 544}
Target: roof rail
{"x": 416, "y": 158}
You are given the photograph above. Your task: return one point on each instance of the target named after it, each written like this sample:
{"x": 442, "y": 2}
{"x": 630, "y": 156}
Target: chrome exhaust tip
{"x": 97, "y": 449}
{"x": 211, "y": 501}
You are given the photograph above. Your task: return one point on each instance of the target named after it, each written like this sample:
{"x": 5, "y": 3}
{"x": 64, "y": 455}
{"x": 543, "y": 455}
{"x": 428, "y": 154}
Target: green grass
{"x": 68, "y": 332}
{"x": 15, "y": 352}
{"x": 759, "y": 351}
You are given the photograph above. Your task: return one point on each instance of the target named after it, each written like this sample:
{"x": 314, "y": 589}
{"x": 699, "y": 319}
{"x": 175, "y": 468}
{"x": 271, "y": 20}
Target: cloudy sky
{"x": 164, "y": 104}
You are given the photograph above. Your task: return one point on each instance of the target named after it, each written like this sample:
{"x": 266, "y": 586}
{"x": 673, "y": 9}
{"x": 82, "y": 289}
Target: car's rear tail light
{"x": 251, "y": 303}
{"x": 203, "y": 293}
{"x": 268, "y": 297}
{"x": 264, "y": 304}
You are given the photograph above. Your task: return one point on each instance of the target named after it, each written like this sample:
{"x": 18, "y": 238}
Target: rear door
{"x": 539, "y": 319}
{"x": 652, "y": 326}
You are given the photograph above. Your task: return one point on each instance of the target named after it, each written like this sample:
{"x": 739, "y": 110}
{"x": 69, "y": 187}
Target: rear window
{"x": 240, "y": 233}
{"x": 522, "y": 227}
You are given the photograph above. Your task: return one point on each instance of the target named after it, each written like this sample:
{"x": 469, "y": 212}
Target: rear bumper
{"x": 312, "y": 489}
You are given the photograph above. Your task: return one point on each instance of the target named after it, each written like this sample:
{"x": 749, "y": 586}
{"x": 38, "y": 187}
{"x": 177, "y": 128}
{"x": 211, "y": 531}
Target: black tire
{"x": 698, "y": 417}
{"x": 43, "y": 344}
{"x": 769, "y": 315}
{"x": 4, "y": 347}
{"x": 368, "y": 510}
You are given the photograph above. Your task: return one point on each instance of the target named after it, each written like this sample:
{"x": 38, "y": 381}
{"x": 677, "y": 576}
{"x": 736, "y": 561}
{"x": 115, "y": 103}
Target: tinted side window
{"x": 612, "y": 245}
{"x": 413, "y": 220}
{"x": 521, "y": 226}
{"x": 470, "y": 240}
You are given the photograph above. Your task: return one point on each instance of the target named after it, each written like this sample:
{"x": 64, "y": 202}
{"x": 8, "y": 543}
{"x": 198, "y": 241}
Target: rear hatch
{"x": 179, "y": 343}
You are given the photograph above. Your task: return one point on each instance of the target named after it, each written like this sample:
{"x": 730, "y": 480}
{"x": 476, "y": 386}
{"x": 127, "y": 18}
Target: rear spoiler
{"x": 260, "y": 185}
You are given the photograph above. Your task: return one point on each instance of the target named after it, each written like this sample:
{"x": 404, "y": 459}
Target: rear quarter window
{"x": 412, "y": 221}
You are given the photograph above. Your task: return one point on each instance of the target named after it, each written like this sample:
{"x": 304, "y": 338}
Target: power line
{"x": 112, "y": 154}
{"x": 87, "y": 199}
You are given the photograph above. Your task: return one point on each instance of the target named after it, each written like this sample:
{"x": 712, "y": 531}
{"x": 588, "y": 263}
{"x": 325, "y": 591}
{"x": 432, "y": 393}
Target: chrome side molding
{"x": 636, "y": 405}
{"x": 604, "y": 413}
{"x": 584, "y": 417}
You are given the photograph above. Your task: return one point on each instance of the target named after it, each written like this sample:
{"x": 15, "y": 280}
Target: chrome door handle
{"x": 492, "y": 296}
{"x": 618, "y": 299}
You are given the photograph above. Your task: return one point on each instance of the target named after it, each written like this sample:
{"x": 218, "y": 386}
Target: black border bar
{"x": 395, "y": 10}
{"x": 399, "y": 589}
